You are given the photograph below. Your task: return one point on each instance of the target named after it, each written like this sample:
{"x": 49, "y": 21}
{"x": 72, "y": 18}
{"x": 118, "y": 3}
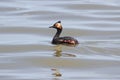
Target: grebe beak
{"x": 51, "y": 27}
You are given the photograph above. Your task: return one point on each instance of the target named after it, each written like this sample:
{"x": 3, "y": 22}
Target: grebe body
{"x": 62, "y": 40}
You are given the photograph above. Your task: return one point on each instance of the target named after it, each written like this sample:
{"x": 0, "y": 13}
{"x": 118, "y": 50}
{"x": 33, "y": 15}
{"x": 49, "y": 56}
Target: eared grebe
{"x": 62, "y": 40}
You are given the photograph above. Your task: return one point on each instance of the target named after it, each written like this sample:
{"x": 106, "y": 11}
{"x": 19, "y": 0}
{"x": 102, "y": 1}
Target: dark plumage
{"x": 62, "y": 40}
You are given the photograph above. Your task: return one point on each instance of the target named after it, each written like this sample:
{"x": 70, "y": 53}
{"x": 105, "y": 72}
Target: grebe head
{"x": 57, "y": 25}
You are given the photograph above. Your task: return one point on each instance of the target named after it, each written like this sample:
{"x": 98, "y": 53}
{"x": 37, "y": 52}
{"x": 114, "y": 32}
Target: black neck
{"x": 57, "y": 33}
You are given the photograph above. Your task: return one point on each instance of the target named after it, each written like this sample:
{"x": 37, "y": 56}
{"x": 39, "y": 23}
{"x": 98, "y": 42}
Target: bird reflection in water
{"x": 59, "y": 53}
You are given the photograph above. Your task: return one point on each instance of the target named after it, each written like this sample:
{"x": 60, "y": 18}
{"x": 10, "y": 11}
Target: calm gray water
{"x": 26, "y": 52}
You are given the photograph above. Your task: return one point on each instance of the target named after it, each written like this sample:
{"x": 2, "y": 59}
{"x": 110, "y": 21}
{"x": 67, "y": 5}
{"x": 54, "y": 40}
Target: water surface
{"x": 26, "y": 51}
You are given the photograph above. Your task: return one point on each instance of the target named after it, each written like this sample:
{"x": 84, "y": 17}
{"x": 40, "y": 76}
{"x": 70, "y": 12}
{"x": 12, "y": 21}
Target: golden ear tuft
{"x": 58, "y": 25}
